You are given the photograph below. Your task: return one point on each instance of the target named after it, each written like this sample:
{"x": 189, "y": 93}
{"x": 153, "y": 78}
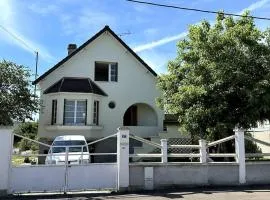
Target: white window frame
{"x": 75, "y": 112}
{"x": 110, "y": 70}
{"x": 96, "y": 113}
{"x": 54, "y": 112}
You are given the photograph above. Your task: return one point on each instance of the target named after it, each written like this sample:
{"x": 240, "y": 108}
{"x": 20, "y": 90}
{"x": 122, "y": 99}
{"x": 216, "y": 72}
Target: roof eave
{"x": 106, "y": 28}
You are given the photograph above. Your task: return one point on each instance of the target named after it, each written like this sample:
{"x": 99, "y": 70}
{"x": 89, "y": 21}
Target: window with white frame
{"x": 54, "y": 111}
{"x": 75, "y": 112}
{"x": 96, "y": 113}
{"x": 106, "y": 71}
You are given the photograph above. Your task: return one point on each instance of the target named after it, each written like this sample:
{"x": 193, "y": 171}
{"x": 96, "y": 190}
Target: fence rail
{"x": 221, "y": 141}
{"x": 141, "y": 155}
{"x": 144, "y": 141}
{"x": 183, "y": 155}
{"x": 218, "y": 155}
{"x": 184, "y": 146}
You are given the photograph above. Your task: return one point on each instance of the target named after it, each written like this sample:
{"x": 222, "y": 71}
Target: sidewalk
{"x": 228, "y": 193}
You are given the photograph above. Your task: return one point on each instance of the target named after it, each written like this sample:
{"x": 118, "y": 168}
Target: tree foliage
{"x": 29, "y": 130}
{"x": 16, "y": 99}
{"x": 220, "y": 78}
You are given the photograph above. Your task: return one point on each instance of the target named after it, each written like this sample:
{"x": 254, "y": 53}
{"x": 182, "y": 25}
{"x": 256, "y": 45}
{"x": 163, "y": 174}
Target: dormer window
{"x": 105, "y": 71}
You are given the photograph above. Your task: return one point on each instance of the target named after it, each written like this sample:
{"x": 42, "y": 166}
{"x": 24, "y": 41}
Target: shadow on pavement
{"x": 173, "y": 193}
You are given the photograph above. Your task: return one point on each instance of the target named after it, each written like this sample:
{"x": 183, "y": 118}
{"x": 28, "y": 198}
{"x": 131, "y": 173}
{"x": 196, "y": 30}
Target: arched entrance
{"x": 140, "y": 114}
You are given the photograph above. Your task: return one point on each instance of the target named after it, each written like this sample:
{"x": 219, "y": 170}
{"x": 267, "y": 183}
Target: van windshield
{"x": 73, "y": 143}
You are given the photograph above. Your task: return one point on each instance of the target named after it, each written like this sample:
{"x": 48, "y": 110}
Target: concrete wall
{"x": 135, "y": 85}
{"x": 196, "y": 174}
{"x": 146, "y": 115}
{"x": 258, "y": 173}
{"x": 52, "y": 178}
{"x": 184, "y": 175}
{"x": 6, "y": 144}
{"x": 223, "y": 174}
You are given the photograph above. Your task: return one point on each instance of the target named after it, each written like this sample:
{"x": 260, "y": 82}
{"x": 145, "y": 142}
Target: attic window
{"x": 106, "y": 71}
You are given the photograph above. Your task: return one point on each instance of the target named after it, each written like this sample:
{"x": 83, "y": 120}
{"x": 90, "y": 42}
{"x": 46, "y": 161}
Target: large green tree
{"x": 17, "y": 101}
{"x": 220, "y": 78}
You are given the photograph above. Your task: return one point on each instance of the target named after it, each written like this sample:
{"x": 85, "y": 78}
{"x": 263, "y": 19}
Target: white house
{"x": 98, "y": 87}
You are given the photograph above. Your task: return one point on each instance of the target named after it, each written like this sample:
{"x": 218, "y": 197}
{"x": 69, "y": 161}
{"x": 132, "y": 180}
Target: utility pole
{"x": 36, "y": 73}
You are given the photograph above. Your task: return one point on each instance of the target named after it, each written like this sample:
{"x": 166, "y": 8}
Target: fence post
{"x": 6, "y": 146}
{"x": 240, "y": 154}
{"x": 203, "y": 153}
{"x": 123, "y": 158}
{"x": 164, "y": 151}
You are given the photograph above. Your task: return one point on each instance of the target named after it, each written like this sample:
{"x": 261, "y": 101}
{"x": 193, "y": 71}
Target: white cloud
{"x": 85, "y": 21}
{"x": 151, "y": 45}
{"x": 43, "y": 9}
{"x": 10, "y": 22}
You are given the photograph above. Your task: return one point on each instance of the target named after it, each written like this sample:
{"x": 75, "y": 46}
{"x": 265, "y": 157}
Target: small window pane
{"x": 114, "y": 72}
{"x": 69, "y": 103}
{"x": 69, "y": 120}
{"x": 80, "y": 121}
{"x": 69, "y": 114}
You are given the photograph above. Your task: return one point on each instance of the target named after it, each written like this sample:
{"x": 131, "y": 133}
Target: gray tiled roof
{"x": 74, "y": 84}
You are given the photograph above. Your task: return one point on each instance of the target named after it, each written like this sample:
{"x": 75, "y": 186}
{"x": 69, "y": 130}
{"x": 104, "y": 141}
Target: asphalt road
{"x": 237, "y": 193}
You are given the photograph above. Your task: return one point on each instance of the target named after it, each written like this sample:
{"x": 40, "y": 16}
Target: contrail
{"x": 169, "y": 39}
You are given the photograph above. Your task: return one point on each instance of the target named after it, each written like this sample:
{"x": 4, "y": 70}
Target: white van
{"x": 76, "y": 147}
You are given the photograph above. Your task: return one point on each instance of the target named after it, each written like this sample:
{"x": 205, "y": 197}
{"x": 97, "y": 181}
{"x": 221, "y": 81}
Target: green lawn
{"x": 19, "y": 160}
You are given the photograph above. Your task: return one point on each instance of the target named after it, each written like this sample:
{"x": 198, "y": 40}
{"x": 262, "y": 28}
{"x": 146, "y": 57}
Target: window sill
{"x": 70, "y": 127}
{"x": 107, "y": 81}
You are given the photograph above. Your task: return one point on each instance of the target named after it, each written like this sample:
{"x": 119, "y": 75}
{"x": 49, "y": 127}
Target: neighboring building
{"x": 262, "y": 132}
{"x": 98, "y": 87}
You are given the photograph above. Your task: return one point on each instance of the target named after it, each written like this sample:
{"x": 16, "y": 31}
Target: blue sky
{"x": 49, "y": 26}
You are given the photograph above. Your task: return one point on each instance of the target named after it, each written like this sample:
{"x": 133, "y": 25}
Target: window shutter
{"x": 85, "y": 111}
{"x": 53, "y": 110}
{"x": 116, "y": 72}
{"x": 64, "y": 112}
{"x": 97, "y": 112}
{"x": 55, "y": 114}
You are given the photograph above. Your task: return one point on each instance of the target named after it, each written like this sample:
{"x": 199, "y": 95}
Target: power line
{"x": 193, "y": 9}
{"x": 17, "y": 38}
{"x": 27, "y": 46}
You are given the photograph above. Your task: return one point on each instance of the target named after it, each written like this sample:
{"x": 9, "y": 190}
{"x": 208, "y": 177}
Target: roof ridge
{"x": 106, "y": 28}
{"x": 63, "y": 79}
{"x": 89, "y": 81}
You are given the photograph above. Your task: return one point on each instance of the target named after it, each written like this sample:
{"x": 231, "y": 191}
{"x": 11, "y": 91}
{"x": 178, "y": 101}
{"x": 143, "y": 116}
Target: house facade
{"x": 98, "y": 87}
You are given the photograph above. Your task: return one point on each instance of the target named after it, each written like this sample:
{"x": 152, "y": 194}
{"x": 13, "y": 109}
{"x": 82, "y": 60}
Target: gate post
{"x": 240, "y": 154}
{"x": 203, "y": 153}
{"x": 123, "y": 158}
{"x": 164, "y": 151}
{"x": 6, "y": 146}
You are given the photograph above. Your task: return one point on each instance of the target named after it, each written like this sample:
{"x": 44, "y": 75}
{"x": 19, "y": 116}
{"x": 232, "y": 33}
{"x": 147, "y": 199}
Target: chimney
{"x": 71, "y": 48}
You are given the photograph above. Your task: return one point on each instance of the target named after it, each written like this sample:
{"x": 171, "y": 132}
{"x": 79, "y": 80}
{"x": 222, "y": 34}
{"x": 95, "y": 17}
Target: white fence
{"x": 203, "y": 155}
{"x": 62, "y": 177}
{"x": 123, "y": 175}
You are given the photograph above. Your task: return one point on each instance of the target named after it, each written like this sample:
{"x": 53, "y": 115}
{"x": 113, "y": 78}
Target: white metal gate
{"x": 64, "y": 178}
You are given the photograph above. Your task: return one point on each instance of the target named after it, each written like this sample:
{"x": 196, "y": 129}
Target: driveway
{"x": 237, "y": 193}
